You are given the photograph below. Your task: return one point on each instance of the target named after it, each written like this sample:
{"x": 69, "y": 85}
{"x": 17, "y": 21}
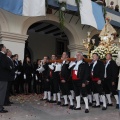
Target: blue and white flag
{"x": 24, "y": 7}
{"x": 92, "y": 14}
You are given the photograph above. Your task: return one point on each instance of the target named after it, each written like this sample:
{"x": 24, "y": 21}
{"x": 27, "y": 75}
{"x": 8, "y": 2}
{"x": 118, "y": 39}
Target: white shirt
{"x": 77, "y": 65}
{"x": 63, "y": 61}
{"x": 94, "y": 65}
{"x": 105, "y": 75}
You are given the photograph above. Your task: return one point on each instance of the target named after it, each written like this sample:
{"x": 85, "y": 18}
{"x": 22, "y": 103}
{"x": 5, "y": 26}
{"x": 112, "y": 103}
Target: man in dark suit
{"x": 97, "y": 77}
{"x": 65, "y": 77}
{"x": 80, "y": 75}
{"x": 5, "y": 69}
{"x": 110, "y": 79}
{"x": 11, "y": 78}
{"x": 18, "y": 71}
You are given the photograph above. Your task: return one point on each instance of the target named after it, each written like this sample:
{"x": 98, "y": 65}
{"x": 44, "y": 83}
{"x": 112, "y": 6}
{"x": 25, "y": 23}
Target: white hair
{"x": 79, "y": 52}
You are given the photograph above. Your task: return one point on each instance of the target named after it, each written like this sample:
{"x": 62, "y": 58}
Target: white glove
{"x": 41, "y": 69}
{"x": 16, "y": 72}
{"x": 58, "y": 67}
{"x": 15, "y": 76}
{"x": 71, "y": 64}
{"x": 19, "y": 73}
{"x": 36, "y": 77}
{"x": 24, "y": 76}
{"x": 51, "y": 67}
{"x": 32, "y": 74}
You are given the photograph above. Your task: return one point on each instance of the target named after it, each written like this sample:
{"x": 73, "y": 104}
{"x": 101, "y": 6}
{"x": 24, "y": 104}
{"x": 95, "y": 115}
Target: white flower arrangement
{"x": 102, "y": 51}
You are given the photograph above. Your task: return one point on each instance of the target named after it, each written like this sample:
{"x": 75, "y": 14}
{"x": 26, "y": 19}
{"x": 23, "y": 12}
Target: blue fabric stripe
{"x": 112, "y": 11}
{"x": 53, "y": 3}
{"x": 14, "y": 6}
{"x": 72, "y": 8}
{"x": 115, "y": 23}
{"x": 68, "y": 7}
{"x": 98, "y": 14}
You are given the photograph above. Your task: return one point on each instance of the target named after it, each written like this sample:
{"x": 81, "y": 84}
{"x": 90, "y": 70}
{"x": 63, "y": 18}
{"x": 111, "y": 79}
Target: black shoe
{"x": 110, "y": 104}
{"x": 71, "y": 107}
{"x": 50, "y": 101}
{"x": 77, "y": 108}
{"x": 117, "y": 106}
{"x": 3, "y": 111}
{"x": 90, "y": 104}
{"x": 104, "y": 108}
{"x": 64, "y": 105}
{"x": 58, "y": 103}
{"x": 94, "y": 106}
{"x": 86, "y": 111}
{"x": 43, "y": 99}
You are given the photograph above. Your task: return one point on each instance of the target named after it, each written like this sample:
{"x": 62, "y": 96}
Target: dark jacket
{"x": 65, "y": 71}
{"x": 112, "y": 71}
{"x": 83, "y": 72}
{"x": 28, "y": 70}
{"x": 5, "y": 68}
{"x": 46, "y": 71}
{"x": 12, "y": 72}
{"x": 99, "y": 70}
{"x": 39, "y": 75}
{"x": 55, "y": 75}
{"x": 18, "y": 66}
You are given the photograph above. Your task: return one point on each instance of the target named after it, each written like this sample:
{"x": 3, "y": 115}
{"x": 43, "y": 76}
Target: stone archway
{"x": 72, "y": 35}
{"x": 69, "y": 31}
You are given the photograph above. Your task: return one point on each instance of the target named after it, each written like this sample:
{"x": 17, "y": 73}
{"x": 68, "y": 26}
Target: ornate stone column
{"x": 14, "y": 42}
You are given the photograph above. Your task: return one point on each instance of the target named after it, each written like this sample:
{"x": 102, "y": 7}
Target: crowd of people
{"x": 90, "y": 82}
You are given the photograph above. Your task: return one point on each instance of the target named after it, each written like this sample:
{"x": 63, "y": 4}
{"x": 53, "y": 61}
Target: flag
{"x": 91, "y": 14}
{"x": 24, "y": 7}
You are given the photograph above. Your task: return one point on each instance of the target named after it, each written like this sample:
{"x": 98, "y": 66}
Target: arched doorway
{"x": 45, "y": 38}
{"x": 69, "y": 31}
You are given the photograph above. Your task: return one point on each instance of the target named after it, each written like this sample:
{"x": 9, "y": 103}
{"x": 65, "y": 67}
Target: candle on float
{"x": 88, "y": 40}
{"x": 89, "y": 33}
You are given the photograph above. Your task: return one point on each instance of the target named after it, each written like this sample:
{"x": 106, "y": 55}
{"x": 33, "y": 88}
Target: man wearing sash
{"x": 80, "y": 74}
{"x": 97, "y": 77}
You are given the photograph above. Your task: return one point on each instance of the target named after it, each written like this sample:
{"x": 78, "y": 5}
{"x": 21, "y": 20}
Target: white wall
{"x": 41, "y": 45}
{"x": 16, "y": 48}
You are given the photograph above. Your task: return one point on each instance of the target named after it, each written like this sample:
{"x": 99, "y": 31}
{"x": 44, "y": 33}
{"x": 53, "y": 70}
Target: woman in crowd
{"x": 27, "y": 74}
{"x": 118, "y": 63}
{"x": 38, "y": 77}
